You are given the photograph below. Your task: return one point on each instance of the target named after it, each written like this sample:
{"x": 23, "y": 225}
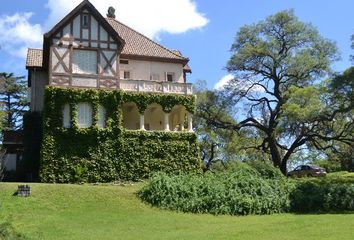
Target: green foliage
{"x": 330, "y": 165}
{"x": 323, "y": 195}
{"x": 266, "y": 169}
{"x": 13, "y": 96}
{"x": 236, "y": 193}
{"x": 103, "y": 155}
{"x": 276, "y": 65}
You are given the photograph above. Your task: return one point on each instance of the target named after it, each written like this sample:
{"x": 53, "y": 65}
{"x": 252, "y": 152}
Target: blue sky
{"x": 202, "y": 30}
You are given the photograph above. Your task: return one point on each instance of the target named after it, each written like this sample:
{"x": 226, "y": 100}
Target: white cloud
{"x": 17, "y": 34}
{"x": 223, "y": 82}
{"x": 148, "y": 17}
{"x": 241, "y": 85}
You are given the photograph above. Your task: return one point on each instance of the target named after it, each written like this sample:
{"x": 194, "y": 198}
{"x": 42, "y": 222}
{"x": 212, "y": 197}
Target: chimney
{"x": 111, "y": 12}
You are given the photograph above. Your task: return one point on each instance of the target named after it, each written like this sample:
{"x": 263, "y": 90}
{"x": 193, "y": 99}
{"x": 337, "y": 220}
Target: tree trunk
{"x": 275, "y": 155}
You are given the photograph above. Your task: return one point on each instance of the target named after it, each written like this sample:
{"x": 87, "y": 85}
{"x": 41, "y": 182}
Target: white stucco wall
{"x": 142, "y": 70}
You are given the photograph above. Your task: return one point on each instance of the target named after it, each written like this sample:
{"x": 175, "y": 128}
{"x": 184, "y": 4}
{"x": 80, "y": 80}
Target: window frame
{"x": 87, "y": 117}
{"x": 73, "y": 62}
{"x": 84, "y": 15}
{"x": 129, "y": 73}
{"x": 172, "y": 74}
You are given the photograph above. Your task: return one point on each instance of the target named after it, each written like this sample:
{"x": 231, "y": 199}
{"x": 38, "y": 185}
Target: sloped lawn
{"x": 114, "y": 212}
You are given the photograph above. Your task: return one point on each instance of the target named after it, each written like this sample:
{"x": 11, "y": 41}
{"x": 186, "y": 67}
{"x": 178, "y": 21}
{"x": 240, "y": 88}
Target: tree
{"x": 278, "y": 64}
{"x": 218, "y": 144}
{"x": 13, "y": 97}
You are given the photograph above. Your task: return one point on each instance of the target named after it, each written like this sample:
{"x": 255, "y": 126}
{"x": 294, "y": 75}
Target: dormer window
{"x": 85, "y": 20}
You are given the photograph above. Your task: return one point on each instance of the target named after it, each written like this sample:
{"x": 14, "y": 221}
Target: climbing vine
{"x": 111, "y": 153}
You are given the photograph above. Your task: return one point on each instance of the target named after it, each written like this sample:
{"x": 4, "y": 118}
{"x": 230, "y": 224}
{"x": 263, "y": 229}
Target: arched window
{"x": 101, "y": 116}
{"x": 66, "y": 116}
{"x": 84, "y": 115}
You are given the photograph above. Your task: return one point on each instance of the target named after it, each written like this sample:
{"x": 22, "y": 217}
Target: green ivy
{"x": 112, "y": 153}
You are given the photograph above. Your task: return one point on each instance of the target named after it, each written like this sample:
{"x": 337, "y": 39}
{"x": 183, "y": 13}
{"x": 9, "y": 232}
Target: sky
{"x": 201, "y": 30}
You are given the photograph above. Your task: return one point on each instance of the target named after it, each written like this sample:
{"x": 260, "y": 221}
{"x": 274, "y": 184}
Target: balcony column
{"x": 190, "y": 122}
{"x": 142, "y": 122}
{"x": 167, "y": 122}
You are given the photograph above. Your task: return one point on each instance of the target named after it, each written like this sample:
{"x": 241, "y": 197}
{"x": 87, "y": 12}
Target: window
{"x": 123, "y": 61}
{"x": 66, "y": 116}
{"x": 84, "y": 115}
{"x": 85, "y": 61}
{"x": 170, "y": 77}
{"x": 85, "y": 20}
{"x": 126, "y": 75}
{"x": 155, "y": 77}
{"x": 101, "y": 116}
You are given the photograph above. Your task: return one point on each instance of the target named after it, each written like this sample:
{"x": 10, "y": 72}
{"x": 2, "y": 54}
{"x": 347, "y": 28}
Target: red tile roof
{"x": 34, "y": 58}
{"x": 136, "y": 44}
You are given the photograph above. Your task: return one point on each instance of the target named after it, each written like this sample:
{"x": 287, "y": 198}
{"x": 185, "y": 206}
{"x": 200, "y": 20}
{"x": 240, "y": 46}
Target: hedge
{"x": 322, "y": 195}
{"x": 235, "y": 193}
{"x": 112, "y": 153}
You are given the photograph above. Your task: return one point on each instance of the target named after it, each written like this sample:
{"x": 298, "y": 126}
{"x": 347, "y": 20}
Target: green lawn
{"x": 114, "y": 212}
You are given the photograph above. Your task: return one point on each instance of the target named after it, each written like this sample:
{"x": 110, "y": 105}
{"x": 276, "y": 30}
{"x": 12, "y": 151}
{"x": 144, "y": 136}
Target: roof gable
{"x": 85, "y": 5}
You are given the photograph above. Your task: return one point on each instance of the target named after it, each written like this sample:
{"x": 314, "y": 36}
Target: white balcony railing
{"x": 152, "y": 86}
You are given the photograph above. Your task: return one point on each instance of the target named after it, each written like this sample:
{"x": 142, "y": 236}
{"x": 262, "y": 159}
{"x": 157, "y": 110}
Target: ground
{"x": 61, "y": 211}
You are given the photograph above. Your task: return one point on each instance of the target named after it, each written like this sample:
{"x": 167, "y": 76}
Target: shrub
{"x": 266, "y": 169}
{"x": 236, "y": 193}
{"x": 322, "y": 195}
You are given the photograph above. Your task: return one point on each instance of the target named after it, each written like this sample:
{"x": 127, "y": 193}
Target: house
{"x": 97, "y": 80}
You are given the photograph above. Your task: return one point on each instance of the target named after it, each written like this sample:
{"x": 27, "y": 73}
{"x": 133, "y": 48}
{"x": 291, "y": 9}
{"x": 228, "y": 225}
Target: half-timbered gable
{"x": 87, "y": 50}
{"x": 84, "y": 50}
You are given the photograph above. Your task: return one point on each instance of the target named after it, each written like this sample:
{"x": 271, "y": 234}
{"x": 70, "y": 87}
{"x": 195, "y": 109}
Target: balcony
{"x": 158, "y": 87}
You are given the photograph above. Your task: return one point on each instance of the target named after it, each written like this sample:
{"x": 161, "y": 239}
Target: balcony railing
{"x": 159, "y": 87}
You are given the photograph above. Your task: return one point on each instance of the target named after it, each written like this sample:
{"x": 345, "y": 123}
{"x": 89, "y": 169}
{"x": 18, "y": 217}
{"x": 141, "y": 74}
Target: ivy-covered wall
{"x": 111, "y": 153}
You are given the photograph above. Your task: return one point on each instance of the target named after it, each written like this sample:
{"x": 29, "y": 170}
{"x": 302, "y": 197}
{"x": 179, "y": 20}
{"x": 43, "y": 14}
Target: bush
{"x": 322, "y": 195}
{"x": 266, "y": 169}
{"x": 237, "y": 193}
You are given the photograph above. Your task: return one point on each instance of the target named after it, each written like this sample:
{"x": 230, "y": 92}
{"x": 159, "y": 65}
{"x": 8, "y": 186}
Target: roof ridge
{"x": 147, "y": 38}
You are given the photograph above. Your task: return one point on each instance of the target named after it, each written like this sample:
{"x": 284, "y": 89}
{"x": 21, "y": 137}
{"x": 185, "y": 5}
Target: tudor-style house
{"x": 86, "y": 50}
{"x": 107, "y": 103}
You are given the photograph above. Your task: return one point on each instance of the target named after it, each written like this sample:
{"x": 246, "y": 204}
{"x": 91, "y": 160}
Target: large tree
{"x": 278, "y": 64}
{"x": 13, "y": 98}
{"x": 219, "y": 144}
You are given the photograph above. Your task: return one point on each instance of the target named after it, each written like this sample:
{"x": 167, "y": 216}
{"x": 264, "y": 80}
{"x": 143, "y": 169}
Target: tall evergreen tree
{"x": 13, "y": 98}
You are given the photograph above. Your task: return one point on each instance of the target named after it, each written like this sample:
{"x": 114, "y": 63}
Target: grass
{"x": 114, "y": 212}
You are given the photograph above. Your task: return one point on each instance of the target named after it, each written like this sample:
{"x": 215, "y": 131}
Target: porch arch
{"x": 131, "y": 116}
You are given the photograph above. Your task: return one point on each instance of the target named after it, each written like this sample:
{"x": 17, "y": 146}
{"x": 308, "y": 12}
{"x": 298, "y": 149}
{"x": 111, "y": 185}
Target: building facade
{"x": 96, "y": 75}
